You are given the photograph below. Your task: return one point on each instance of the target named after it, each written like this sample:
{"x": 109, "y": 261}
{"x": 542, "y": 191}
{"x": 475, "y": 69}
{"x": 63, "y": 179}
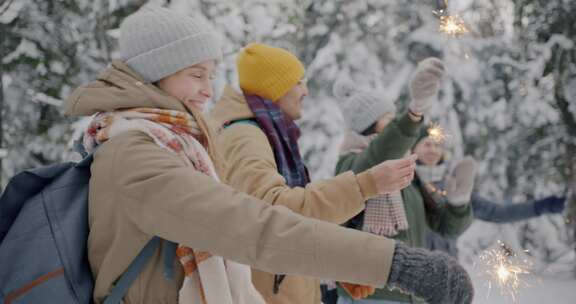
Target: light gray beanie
{"x": 360, "y": 108}
{"x": 157, "y": 42}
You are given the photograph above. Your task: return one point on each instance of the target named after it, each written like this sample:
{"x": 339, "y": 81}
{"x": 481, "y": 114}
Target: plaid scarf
{"x": 208, "y": 278}
{"x": 283, "y": 134}
{"x": 383, "y": 215}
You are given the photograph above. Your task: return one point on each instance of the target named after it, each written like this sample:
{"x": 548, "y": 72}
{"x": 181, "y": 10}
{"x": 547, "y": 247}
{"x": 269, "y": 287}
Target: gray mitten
{"x": 431, "y": 275}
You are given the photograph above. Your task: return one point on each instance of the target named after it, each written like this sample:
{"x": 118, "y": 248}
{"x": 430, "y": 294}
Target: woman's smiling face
{"x": 192, "y": 85}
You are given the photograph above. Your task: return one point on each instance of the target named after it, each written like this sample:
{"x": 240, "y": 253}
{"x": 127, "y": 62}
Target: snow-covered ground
{"x": 540, "y": 291}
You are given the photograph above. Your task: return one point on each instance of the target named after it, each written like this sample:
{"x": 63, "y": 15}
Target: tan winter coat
{"x": 138, "y": 190}
{"x": 251, "y": 168}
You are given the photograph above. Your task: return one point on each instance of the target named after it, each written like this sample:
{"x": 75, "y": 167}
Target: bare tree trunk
{"x": 1, "y": 120}
{"x": 571, "y": 203}
{"x": 562, "y": 76}
{"x": 2, "y": 54}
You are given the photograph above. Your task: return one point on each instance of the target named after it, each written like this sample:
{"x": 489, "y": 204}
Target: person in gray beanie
{"x": 155, "y": 174}
{"x": 375, "y": 136}
{"x": 155, "y": 43}
{"x": 375, "y": 108}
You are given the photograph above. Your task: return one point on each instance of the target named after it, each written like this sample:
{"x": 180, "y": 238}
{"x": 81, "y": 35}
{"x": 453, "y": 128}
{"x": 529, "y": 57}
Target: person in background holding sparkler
{"x": 403, "y": 215}
{"x": 432, "y": 168}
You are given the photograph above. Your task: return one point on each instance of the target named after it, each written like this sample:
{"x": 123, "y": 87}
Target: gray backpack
{"x": 43, "y": 237}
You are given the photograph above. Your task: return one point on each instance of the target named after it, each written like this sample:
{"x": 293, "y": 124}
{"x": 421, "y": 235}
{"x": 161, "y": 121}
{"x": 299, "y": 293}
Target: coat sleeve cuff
{"x": 409, "y": 127}
{"x": 364, "y": 258}
{"x": 367, "y": 184}
{"x": 460, "y": 211}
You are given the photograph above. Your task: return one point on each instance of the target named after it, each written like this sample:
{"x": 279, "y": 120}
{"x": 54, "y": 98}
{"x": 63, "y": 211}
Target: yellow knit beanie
{"x": 267, "y": 71}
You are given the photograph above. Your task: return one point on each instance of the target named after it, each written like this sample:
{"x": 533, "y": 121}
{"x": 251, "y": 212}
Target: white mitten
{"x": 425, "y": 84}
{"x": 460, "y": 182}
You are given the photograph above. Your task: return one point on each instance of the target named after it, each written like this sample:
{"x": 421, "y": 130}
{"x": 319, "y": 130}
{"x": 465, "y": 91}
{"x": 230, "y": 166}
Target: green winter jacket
{"x": 394, "y": 141}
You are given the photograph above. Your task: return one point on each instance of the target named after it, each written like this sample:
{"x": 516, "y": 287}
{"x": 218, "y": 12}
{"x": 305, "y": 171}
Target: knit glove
{"x": 425, "y": 84}
{"x": 357, "y": 291}
{"x": 551, "y": 204}
{"x": 460, "y": 182}
{"x": 431, "y": 275}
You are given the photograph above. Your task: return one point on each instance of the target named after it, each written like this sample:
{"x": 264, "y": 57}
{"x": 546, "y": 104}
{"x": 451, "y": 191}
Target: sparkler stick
{"x": 441, "y": 6}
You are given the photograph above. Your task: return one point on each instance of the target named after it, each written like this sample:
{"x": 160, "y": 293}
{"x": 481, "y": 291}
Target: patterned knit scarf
{"x": 433, "y": 179}
{"x": 383, "y": 215}
{"x": 431, "y": 174}
{"x": 283, "y": 134}
{"x": 208, "y": 279}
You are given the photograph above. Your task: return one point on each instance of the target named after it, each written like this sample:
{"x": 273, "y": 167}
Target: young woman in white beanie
{"x": 155, "y": 173}
{"x": 432, "y": 170}
{"x": 375, "y": 136}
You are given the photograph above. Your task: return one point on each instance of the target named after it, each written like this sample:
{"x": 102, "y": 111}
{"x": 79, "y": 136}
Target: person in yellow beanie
{"x": 258, "y": 140}
{"x": 269, "y": 72}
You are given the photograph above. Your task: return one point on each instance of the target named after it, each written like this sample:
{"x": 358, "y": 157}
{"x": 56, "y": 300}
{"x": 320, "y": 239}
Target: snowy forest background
{"x": 508, "y": 100}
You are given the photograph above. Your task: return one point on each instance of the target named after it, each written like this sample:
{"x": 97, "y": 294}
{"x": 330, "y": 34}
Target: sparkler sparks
{"x": 452, "y": 25}
{"x": 505, "y": 269}
{"x": 437, "y": 133}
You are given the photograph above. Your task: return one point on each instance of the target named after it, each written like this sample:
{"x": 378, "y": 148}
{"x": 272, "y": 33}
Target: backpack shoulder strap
{"x": 126, "y": 280}
{"x": 248, "y": 121}
{"x": 169, "y": 252}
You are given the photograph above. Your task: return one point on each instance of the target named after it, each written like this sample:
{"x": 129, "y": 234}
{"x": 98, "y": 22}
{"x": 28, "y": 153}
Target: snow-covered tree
{"x": 48, "y": 48}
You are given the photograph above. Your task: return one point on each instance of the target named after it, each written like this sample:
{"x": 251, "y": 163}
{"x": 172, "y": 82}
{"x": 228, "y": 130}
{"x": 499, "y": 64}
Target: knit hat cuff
{"x": 175, "y": 56}
{"x": 370, "y": 115}
{"x": 359, "y": 124}
{"x": 288, "y": 82}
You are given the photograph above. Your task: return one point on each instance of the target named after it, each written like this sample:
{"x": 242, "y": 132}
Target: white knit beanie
{"x": 157, "y": 42}
{"x": 360, "y": 108}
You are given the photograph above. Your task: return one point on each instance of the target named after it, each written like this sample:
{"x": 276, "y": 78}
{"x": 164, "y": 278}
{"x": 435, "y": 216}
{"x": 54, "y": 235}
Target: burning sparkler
{"x": 505, "y": 269}
{"x": 451, "y": 25}
{"x": 437, "y": 133}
